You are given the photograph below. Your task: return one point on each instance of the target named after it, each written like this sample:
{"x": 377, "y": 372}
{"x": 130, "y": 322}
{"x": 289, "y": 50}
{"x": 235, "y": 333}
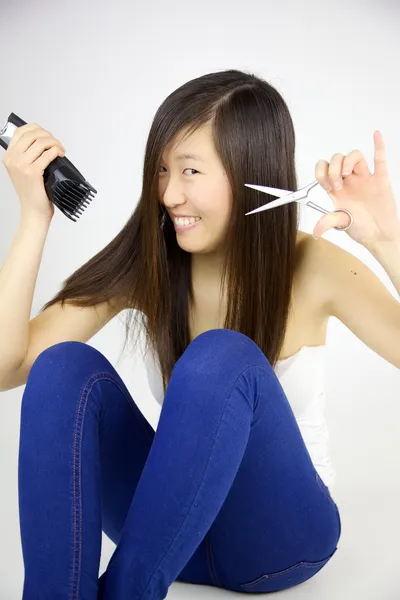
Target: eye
{"x": 188, "y": 169}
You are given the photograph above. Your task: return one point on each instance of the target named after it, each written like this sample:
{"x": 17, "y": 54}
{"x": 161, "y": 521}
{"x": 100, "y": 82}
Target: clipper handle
{"x": 65, "y": 186}
{"x": 7, "y": 132}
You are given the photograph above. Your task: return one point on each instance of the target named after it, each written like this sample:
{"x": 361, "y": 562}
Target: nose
{"x": 171, "y": 195}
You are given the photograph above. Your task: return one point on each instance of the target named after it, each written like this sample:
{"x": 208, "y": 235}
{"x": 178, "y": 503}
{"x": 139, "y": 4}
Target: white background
{"x": 94, "y": 74}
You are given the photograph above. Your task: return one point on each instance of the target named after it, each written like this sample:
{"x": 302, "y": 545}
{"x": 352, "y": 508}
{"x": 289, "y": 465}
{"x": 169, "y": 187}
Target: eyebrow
{"x": 189, "y": 156}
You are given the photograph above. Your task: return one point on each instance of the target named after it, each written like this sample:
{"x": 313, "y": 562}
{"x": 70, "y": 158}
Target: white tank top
{"x": 302, "y": 379}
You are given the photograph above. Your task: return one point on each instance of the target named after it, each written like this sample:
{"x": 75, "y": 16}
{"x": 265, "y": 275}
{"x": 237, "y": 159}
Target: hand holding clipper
{"x": 40, "y": 172}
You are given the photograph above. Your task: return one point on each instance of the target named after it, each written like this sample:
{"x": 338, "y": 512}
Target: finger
{"x": 329, "y": 221}
{"x": 32, "y": 140}
{"x": 39, "y": 147}
{"x": 355, "y": 162}
{"x": 321, "y": 174}
{"x": 379, "y": 155}
{"x": 19, "y": 132}
{"x": 335, "y": 170}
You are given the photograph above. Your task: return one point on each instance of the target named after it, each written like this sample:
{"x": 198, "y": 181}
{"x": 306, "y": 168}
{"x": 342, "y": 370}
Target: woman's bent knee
{"x": 218, "y": 347}
{"x": 69, "y": 356}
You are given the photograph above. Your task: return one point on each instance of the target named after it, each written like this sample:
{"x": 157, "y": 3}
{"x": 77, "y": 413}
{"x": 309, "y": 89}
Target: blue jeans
{"x": 224, "y": 493}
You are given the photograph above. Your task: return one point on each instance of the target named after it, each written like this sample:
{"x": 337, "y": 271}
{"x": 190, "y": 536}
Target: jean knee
{"x": 70, "y": 358}
{"x": 218, "y": 347}
{"x": 66, "y": 351}
{"x": 62, "y": 349}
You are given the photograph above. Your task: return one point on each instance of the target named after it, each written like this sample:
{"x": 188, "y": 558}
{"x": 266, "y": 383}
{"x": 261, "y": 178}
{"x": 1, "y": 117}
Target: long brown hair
{"x": 254, "y": 137}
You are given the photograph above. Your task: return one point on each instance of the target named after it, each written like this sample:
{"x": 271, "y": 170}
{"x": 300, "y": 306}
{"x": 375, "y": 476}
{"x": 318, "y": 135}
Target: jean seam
{"x": 76, "y": 467}
{"x": 302, "y": 563}
{"x": 210, "y": 560}
{"x": 325, "y": 490}
{"x": 240, "y": 374}
{"x": 330, "y": 498}
{"x": 139, "y": 416}
{"x": 76, "y": 474}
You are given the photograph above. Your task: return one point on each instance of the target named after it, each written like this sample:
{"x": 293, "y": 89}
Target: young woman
{"x": 233, "y": 488}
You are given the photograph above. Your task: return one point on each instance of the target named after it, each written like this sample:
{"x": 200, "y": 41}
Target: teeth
{"x": 186, "y": 221}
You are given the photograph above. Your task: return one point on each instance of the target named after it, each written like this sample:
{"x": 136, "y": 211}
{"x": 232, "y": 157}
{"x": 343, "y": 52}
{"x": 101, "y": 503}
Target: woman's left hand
{"x": 368, "y": 197}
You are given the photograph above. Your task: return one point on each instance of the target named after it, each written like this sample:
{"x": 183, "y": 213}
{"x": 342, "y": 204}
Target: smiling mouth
{"x": 186, "y": 220}
{"x": 186, "y": 225}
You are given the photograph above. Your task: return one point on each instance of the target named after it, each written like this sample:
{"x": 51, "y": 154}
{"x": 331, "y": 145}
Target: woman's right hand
{"x": 30, "y": 151}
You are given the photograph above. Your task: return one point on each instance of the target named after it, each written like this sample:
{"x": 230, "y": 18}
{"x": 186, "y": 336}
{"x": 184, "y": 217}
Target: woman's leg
{"x": 204, "y": 430}
{"x": 83, "y": 445}
{"x": 278, "y": 525}
{"x": 224, "y": 416}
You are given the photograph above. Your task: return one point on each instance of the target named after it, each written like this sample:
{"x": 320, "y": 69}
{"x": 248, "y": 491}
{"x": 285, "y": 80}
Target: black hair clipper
{"x": 64, "y": 184}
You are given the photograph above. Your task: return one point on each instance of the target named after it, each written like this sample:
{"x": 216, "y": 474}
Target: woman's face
{"x": 196, "y": 187}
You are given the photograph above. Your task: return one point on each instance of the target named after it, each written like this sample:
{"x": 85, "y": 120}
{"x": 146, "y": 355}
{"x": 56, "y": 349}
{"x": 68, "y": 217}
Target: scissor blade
{"x": 272, "y": 204}
{"x": 269, "y": 190}
{"x": 287, "y": 197}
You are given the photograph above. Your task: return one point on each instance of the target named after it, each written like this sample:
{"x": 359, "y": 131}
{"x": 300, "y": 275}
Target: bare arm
{"x": 58, "y": 324}
{"x": 22, "y": 339}
{"x": 17, "y": 285}
{"x": 29, "y": 152}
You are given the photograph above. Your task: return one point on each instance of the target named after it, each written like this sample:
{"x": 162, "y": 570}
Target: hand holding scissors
{"x": 300, "y": 196}
{"x": 366, "y": 198}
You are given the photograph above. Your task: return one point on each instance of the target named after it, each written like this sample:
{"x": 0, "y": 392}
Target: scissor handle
{"x": 308, "y": 187}
{"x": 320, "y": 209}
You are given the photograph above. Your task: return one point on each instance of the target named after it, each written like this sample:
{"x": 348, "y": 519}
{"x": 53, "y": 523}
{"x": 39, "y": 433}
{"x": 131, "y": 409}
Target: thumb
{"x": 328, "y": 221}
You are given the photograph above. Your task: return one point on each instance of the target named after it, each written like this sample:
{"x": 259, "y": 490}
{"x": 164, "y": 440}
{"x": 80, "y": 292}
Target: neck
{"x": 206, "y": 280}
{"x": 206, "y": 268}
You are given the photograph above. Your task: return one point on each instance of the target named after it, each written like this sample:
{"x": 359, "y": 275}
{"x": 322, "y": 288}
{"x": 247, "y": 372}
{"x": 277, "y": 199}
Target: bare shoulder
{"x": 347, "y": 289}
{"x": 339, "y": 280}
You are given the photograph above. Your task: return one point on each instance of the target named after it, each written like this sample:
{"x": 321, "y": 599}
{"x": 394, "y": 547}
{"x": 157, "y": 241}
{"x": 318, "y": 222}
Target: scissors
{"x": 298, "y": 196}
